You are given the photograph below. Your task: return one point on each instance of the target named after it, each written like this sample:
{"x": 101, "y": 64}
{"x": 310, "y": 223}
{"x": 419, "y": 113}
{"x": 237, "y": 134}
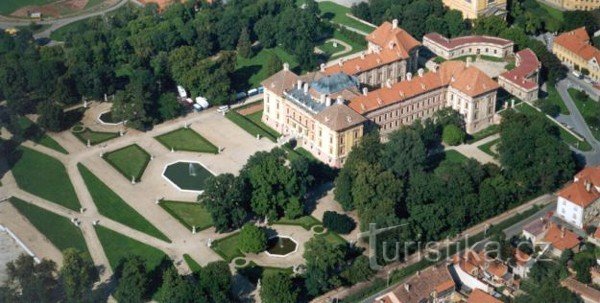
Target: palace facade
{"x": 473, "y": 9}
{"x": 468, "y": 46}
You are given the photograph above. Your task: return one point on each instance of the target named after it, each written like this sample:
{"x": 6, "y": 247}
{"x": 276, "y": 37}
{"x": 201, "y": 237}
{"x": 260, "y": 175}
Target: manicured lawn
{"x": 589, "y": 109}
{"x": 565, "y": 136}
{"x": 9, "y": 6}
{"x": 118, "y": 246}
{"x": 58, "y": 229}
{"x": 454, "y": 157}
{"x": 45, "y": 177}
{"x": 35, "y": 134}
{"x": 113, "y": 207}
{"x": 554, "y": 98}
{"x": 329, "y": 49}
{"x": 553, "y": 12}
{"x": 130, "y": 161}
{"x": 487, "y": 148}
{"x": 192, "y": 264}
{"x": 249, "y": 72}
{"x": 186, "y": 139}
{"x": 251, "y": 127}
{"x": 94, "y": 137}
{"x": 228, "y": 247}
{"x": 332, "y": 238}
{"x": 189, "y": 214}
{"x": 356, "y": 46}
{"x": 489, "y": 131}
{"x": 306, "y": 222}
{"x": 254, "y": 272}
{"x": 256, "y": 118}
{"x": 337, "y": 14}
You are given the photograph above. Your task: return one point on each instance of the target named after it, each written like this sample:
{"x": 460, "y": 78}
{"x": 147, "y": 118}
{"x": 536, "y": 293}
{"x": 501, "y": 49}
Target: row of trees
{"x": 404, "y": 181}
{"x": 267, "y": 187}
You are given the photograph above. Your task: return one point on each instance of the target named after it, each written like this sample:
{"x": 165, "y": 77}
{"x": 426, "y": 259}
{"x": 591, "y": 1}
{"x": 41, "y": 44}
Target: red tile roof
{"x": 387, "y": 34}
{"x": 588, "y": 293}
{"x": 468, "y": 80}
{"x": 561, "y": 238}
{"x": 577, "y": 193}
{"x": 527, "y": 65}
{"x": 578, "y": 42}
{"x": 457, "y": 42}
{"x": 590, "y": 173}
{"x": 367, "y": 62}
{"x": 479, "y": 296}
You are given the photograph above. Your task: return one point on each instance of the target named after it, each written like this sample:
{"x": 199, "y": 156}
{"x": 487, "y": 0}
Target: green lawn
{"x": 118, "y": 246}
{"x": 253, "y": 272}
{"x": 307, "y": 222}
{"x": 484, "y": 133}
{"x": 45, "y": 177}
{"x": 130, "y": 161}
{"x": 487, "y": 148}
{"x": 186, "y": 139}
{"x": 553, "y": 12}
{"x": 192, "y": 264}
{"x": 94, "y": 137}
{"x": 332, "y": 238}
{"x": 356, "y": 46}
{"x": 337, "y": 14}
{"x": 189, "y": 214}
{"x": 9, "y": 6}
{"x": 35, "y": 134}
{"x": 554, "y": 98}
{"x": 59, "y": 230}
{"x": 251, "y": 126}
{"x": 228, "y": 247}
{"x": 113, "y": 207}
{"x": 565, "y": 136}
{"x": 589, "y": 109}
{"x": 249, "y": 72}
{"x": 329, "y": 49}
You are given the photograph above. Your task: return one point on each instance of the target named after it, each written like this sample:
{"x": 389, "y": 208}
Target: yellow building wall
{"x": 474, "y": 8}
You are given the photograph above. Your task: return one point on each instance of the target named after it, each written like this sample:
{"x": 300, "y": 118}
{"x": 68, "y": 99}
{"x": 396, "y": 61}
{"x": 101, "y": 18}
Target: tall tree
{"x": 30, "y": 282}
{"x": 278, "y": 288}
{"x": 77, "y": 275}
{"x": 244, "y": 46}
{"x": 132, "y": 281}
{"x": 226, "y": 198}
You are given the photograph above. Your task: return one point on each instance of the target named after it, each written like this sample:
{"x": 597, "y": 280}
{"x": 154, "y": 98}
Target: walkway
{"x": 472, "y": 150}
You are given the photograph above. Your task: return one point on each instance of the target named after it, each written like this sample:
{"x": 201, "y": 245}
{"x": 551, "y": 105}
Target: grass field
{"x": 337, "y": 14}
{"x": 254, "y": 272}
{"x": 193, "y": 265}
{"x": 554, "y": 98}
{"x": 189, "y": 214}
{"x": 329, "y": 49}
{"x": 36, "y": 135}
{"x": 117, "y": 246}
{"x": 589, "y": 109}
{"x": 9, "y": 6}
{"x": 249, "y": 72}
{"x": 113, "y": 207}
{"x": 487, "y": 148}
{"x": 484, "y": 133}
{"x": 332, "y": 238}
{"x": 228, "y": 247}
{"x": 307, "y": 222}
{"x": 553, "y": 12}
{"x": 130, "y": 161}
{"x": 252, "y": 126}
{"x": 185, "y": 139}
{"x": 565, "y": 136}
{"x": 45, "y": 177}
{"x": 94, "y": 137}
{"x": 59, "y": 230}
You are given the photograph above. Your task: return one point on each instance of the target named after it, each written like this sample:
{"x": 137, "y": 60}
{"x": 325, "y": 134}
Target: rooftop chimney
{"x": 435, "y": 68}
{"x": 328, "y": 101}
{"x": 322, "y": 67}
{"x": 388, "y": 83}
{"x": 365, "y": 90}
{"x": 407, "y": 287}
{"x": 306, "y": 88}
{"x": 362, "y": 55}
{"x": 340, "y": 99}
{"x": 468, "y": 62}
{"x": 420, "y": 72}
{"x": 323, "y": 97}
{"x": 286, "y": 66}
{"x": 395, "y": 23}
{"x": 299, "y": 86}
{"x": 340, "y": 63}
{"x": 588, "y": 186}
{"x": 408, "y": 76}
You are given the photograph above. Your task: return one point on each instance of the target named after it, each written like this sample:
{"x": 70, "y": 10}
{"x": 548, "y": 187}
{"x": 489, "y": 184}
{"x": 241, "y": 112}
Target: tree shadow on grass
{"x": 242, "y": 76}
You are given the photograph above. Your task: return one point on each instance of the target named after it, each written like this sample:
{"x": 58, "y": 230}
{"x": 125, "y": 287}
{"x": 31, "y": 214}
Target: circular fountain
{"x": 281, "y": 246}
{"x": 107, "y": 118}
{"x": 187, "y": 176}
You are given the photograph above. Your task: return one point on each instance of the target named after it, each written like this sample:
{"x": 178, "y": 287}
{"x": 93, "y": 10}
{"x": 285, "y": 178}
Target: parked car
{"x": 223, "y": 109}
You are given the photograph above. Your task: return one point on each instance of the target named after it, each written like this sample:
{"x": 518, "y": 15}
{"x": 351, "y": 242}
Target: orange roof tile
{"x": 527, "y": 64}
{"x": 561, "y": 238}
{"x": 386, "y": 34}
{"x": 468, "y": 80}
{"x": 588, "y": 293}
{"x": 597, "y": 233}
{"x": 577, "y": 193}
{"x": 366, "y": 62}
{"x": 457, "y": 42}
{"x": 521, "y": 258}
{"x": 497, "y": 269}
{"x": 590, "y": 173}
{"x": 578, "y": 42}
{"x": 479, "y": 296}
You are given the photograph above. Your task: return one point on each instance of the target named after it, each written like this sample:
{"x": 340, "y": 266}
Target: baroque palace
{"x": 327, "y": 111}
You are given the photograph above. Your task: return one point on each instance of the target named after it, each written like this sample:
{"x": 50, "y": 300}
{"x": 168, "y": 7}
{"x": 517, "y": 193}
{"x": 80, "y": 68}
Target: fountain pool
{"x": 187, "y": 175}
{"x": 281, "y": 246}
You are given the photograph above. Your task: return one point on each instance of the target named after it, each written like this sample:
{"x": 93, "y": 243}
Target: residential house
{"x": 560, "y": 239}
{"x": 579, "y": 202}
{"x": 587, "y": 293}
{"x": 574, "y": 50}
{"x": 479, "y": 296}
{"x": 433, "y": 284}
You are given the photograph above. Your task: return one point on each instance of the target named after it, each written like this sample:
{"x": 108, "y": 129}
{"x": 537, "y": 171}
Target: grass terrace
{"x": 113, "y": 207}
{"x": 185, "y": 139}
{"x": 254, "y": 272}
{"x": 130, "y": 161}
{"x": 192, "y": 264}
{"x": 336, "y": 13}
{"x": 332, "y": 238}
{"x": 117, "y": 246}
{"x": 59, "y": 230}
{"x": 189, "y": 214}
{"x": 329, "y": 49}
{"x": 484, "y": 133}
{"x": 589, "y": 109}
{"x": 35, "y": 134}
{"x": 306, "y": 222}
{"x": 45, "y": 177}
{"x": 253, "y": 125}
{"x": 228, "y": 247}
{"x": 554, "y": 98}
{"x": 250, "y": 72}
{"x": 487, "y": 148}
{"x": 84, "y": 134}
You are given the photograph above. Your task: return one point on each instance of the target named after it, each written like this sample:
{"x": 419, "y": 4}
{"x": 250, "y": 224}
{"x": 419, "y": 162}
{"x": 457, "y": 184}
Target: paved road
{"x": 7, "y": 22}
{"x": 591, "y": 157}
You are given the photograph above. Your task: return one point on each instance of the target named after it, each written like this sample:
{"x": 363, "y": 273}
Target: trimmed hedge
{"x": 339, "y": 223}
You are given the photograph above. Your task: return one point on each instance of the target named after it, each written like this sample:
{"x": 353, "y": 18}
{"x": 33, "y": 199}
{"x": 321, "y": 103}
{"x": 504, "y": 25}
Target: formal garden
{"x": 185, "y": 139}
{"x": 130, "y": 161}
